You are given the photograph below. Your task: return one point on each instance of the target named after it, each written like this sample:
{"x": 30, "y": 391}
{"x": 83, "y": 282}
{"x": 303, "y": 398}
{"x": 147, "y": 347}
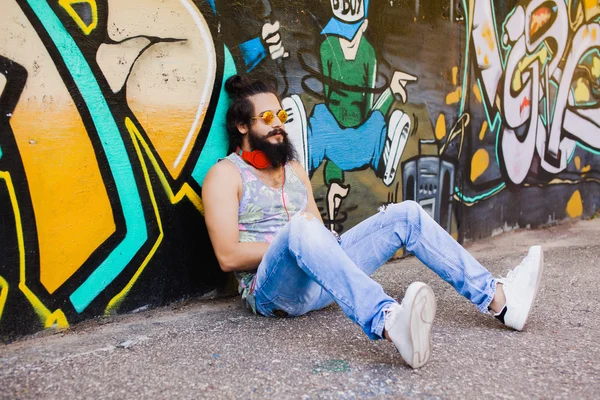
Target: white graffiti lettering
{"x": 542, "y": 78}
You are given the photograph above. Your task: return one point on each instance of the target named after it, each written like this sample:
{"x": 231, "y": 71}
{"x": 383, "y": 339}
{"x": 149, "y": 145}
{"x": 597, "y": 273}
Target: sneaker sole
{"x": 422, "y": 314}
{"x": 524, "y": 315}
{"x": 538, "y": 280}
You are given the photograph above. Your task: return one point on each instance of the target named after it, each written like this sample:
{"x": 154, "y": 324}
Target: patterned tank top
{"x": 263, "y": 211}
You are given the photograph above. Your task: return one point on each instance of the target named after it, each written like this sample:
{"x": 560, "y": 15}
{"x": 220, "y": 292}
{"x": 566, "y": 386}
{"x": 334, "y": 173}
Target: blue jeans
{"x": 306, "y": 269}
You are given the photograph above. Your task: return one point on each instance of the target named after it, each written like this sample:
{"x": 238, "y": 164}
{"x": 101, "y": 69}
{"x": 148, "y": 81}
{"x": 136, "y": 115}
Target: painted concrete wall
{"x": 111, "y": 112}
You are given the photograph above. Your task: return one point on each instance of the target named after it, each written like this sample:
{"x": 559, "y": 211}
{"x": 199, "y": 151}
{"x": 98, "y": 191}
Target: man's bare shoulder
{"x": 222, "y": 173}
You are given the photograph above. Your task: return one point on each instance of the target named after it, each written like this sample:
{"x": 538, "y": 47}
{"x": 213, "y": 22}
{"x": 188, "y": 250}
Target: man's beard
{"x": 279, "y": 153}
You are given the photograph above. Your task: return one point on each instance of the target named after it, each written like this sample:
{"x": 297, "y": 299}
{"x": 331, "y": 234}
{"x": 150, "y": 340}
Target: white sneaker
{"x": 297, "y": 127}
{"x": 520, "y": 288}
{"x": 409, "y": 324}
{"x": 396, "y": 138}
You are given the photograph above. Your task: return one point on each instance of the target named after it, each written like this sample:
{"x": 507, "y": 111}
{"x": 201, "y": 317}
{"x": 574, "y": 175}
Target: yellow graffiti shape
{"x": 185, "y": 191}
{"x": 454, "y": 75}
{"x": 86, "y": 27}
{"x": 116, "y": 301}
{"x": 590, "y": 4}
{"x": 542, "y": 55}
{"x": 71, "y": 206}
{"x": 488, "y": 36}
{"x": 440, "y": 127}
{"x": 48, "y": 318}
{"x": 454, "y": 97}
{"x": 477, "y": 93}
{"x": 3, "y": 294}
{"x": 586, "y": 169}
{"x": 479, "y": 163}
{"x": 57, "y": 319}
{"x": 575, "y": 205}
{"x": 596, "y": 67}
{"x": 484, "y": 127}
{"x": 577, "y": 161}
{"x": 591, "y": 9}
{"x": 70, "y": 200}
{"x": 582, "y": 92}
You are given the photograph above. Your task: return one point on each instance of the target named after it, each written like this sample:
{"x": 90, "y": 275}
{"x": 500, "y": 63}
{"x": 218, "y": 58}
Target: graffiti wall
{"x": 111, "y": 113}
{"x": 531, "y": 89}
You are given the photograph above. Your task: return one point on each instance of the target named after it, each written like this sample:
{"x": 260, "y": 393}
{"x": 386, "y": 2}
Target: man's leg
{"x": 374, "y": 241}
{"x": 306, "y": 260}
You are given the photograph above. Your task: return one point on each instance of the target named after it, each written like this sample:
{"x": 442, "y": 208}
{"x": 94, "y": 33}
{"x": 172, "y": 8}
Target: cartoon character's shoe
{"x": 395, "y": 141}
{"x": 297, "y": 127}
{"x": 336, "y": 192}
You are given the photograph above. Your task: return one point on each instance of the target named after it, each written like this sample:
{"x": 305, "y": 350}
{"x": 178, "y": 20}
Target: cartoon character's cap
{"x": 343, "y": 29}
{"x": 347, "y": 18}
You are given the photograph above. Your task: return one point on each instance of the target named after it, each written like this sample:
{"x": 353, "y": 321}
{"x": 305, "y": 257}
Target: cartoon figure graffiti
{"x": 349, "y": 121}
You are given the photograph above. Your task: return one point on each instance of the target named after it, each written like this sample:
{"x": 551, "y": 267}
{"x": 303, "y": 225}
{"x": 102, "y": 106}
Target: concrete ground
{"x": 216, "y": 349}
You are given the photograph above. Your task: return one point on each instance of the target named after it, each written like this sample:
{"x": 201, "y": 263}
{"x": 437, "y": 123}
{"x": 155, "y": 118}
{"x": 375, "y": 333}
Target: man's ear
{"x": 243, "y": 128}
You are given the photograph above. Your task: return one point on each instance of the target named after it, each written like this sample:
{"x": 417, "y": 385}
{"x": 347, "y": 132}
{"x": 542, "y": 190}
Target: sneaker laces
{"x": 387, "y": 313}
{"x": 510, "y": 276}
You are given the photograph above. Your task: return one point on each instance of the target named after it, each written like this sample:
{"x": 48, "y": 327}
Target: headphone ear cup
{"x": 259, "y": 159}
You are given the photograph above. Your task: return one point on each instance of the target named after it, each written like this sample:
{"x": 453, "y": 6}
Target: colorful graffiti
{"x": 530, "y": 102}
{"x": 538, "y": 72}
{"x": 110, "y": 120}
{"x": 349, "y": 120}
{"x": 112, "y": 112}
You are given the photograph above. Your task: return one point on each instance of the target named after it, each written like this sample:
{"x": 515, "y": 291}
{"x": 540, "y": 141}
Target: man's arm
{"x": 311, "y": 205}
{"x": 220, "y": 197}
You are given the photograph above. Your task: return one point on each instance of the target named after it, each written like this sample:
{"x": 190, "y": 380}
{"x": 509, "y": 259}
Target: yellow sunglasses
{"x": 268, "y": 117}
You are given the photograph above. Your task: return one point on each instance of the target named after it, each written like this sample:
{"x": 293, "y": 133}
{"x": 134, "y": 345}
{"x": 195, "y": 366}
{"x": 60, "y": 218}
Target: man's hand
{"x": 271, "y": 36}
{"x": 399, "y": 82}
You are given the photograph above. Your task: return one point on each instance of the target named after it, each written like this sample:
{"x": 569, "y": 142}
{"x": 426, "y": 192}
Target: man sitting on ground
{"x": 264, "y": 225}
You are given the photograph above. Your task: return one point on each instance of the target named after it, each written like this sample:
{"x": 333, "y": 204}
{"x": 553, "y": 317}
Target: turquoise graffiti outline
{"x": 217, "y": 142}
{"x": 116, "y": 155}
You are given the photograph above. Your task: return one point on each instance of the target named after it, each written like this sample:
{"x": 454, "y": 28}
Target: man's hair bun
{"x": 237, "y": 86}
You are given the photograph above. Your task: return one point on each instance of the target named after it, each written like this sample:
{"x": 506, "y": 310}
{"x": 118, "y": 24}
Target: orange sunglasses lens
{"x": 268, "y": 117}
{"x": 282, "y": 115}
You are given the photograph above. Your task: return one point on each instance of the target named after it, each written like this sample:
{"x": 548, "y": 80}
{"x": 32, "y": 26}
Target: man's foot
{"x": 297, "y": 126}
{"x": 408, "y": 325}
{"x": 520, "y": 288}
{"x": 395, "y": 141}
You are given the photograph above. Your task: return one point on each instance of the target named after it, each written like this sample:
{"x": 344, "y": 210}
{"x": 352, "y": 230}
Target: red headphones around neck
{"x": 256, "y": 158}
